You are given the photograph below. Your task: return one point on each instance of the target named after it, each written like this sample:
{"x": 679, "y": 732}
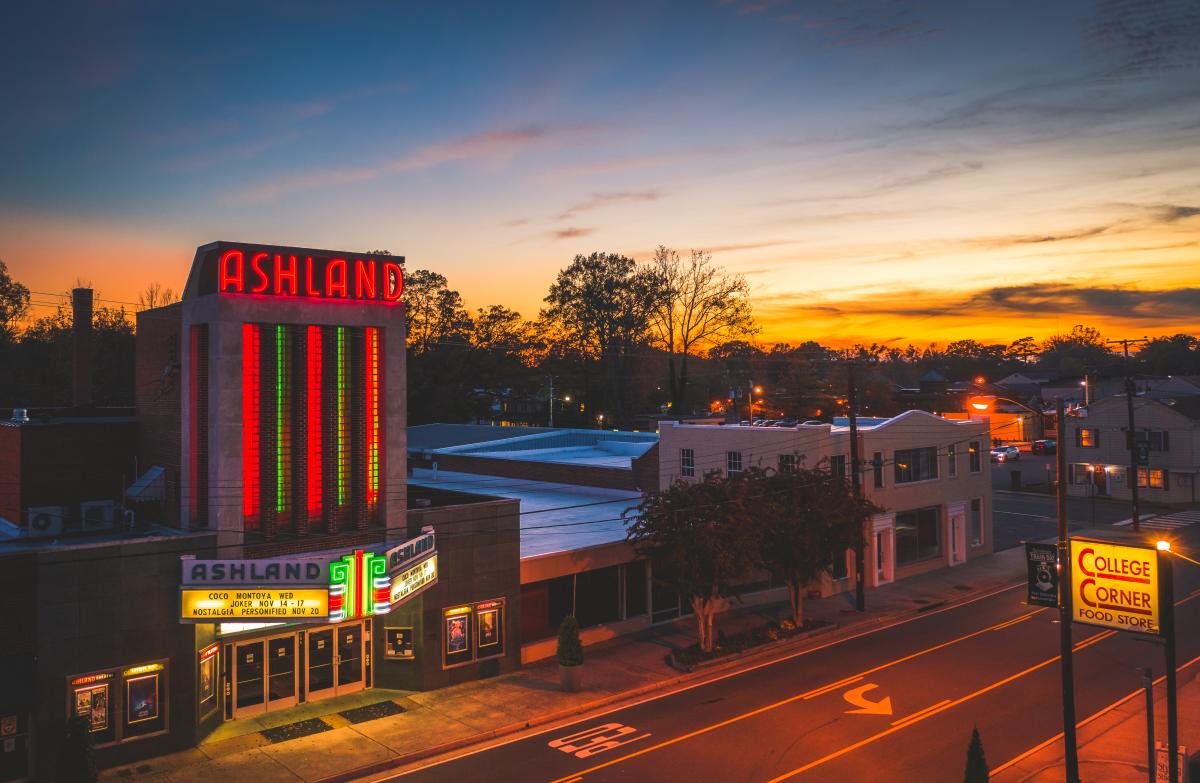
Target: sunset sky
{"x": 880, "y": 171}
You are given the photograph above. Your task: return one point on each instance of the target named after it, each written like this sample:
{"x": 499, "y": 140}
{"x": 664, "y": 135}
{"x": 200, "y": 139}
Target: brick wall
{"x": 157, "y": 392}
{"x": 66, "y": 462}
{"x": 10, "y": 473}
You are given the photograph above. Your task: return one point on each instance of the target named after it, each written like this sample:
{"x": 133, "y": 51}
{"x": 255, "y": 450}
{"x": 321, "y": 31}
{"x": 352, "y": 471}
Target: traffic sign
{"x": 1115, "y": 586}
{"x": 1042, "y": 560}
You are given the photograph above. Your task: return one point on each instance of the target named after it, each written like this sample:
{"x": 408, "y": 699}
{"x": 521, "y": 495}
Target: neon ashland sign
{"x": 267, "y": 270}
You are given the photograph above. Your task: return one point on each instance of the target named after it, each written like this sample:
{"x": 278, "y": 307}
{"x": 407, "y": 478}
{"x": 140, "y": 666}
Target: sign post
{"x": 1065, "y": 582}
{"x": 1167, "y": 590}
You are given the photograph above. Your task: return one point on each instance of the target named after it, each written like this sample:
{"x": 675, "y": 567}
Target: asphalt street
{"x": 895, "y": 704}
{"x": 1028, "y": 516}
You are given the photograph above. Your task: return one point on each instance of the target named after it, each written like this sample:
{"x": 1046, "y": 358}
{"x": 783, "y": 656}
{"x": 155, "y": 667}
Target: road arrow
{"x": 855, "y": 696}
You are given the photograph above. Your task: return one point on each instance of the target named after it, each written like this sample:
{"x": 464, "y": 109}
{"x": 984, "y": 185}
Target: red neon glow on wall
{"x": 275, "y": 272}
{"x": 364, "y": 279}
{"x": 393, "y": 281}
{"x": 308, "y": 280}
{"x": 372, "y": 388}
{"x": 231, "y": 270}
{"x": 251, "y": 492}
{"x": 314, "y": 423}
{"x": 335, "y": 278}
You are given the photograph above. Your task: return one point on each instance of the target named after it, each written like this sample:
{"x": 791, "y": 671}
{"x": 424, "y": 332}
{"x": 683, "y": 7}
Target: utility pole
{"x": 860, "y": 596}
{"x": 1071, "y": 751}
{"x": 551, "y": 400}
{"x": 1166, "y": 592}
{"x": 1130, "y": 439}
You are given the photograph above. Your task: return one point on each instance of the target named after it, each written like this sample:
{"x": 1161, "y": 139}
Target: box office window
{"x": 918, "y": 535}
{"x": 473, "y": 632}
{"x": 121, "y": 704}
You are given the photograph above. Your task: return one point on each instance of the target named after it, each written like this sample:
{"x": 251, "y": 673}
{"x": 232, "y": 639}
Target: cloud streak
{"x": 597, "y": 200}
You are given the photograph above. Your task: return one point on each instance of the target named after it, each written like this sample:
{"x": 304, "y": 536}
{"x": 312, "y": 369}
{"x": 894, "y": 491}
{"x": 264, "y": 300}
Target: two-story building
{"x": 929, "y": 475}
{"x": 1097, "y": 450}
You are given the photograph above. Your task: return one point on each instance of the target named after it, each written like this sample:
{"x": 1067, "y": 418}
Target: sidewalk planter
{"x": 755, "y": 641}
{"x": 570, "y": 655}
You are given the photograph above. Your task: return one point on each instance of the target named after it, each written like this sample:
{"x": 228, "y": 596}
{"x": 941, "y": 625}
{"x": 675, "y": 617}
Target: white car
{"x": 1005, "y": 454}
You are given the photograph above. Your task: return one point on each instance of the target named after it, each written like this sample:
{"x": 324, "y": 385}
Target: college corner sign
{"x": 1115, "y": 586}
{"x": 361, "y": 583}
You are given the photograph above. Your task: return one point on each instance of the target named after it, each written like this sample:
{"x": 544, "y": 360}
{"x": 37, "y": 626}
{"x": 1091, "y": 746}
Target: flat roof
{"x": 554, "y": 517}
{"x": 423, "y": 437}
{"x": 597, "y": 448}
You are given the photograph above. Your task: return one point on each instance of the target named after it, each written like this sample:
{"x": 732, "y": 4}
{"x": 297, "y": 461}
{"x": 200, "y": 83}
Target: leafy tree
{"x": 1175, "y": 355}
{"x": 977, "y": 766}
{"x": 808, "y": 516}
{"x": 1079, "y": 351}
{"x": 703, "y": 542}
{"x": 1023, "y": 350}
{"x": 434, "y": 313}
{"x": 14, "y": 302}
{"x": 696, "y": 305}
{"x": 600, "y": 305}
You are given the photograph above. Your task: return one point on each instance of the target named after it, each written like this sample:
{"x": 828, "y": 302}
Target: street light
{"x": 753, "y": 391}
{"x": 987, "y": 402}
{"x": 1163, "y": 545}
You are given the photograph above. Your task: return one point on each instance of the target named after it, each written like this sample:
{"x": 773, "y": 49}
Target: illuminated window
{"x": 1152, "y": 478}
{"x": 687, "y": 462}
{"x": 1087, "y": 438}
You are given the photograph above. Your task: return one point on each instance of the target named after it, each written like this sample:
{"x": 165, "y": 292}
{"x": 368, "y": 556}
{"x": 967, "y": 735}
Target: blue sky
{"x": 879, "y": 170}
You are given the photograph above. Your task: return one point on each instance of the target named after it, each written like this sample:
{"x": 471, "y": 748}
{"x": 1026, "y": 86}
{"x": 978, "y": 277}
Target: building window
{"x": 952, "y": 460}
{"x": 974, "y": 457}
{"x": 1152, "y": 478}
{"x": 787, "y": 463}
{"x": 1081, "y": 472}
{"x": 733, "y": 462}
{"x": 877, "y": 468}
{"x": 1159, "y": 440}
{"x": 1087, "y": 437}
{"x": 837, "y": 465}
{"x": 915, "y": 465}
{"x": 977, "y": 522}
{"x": 687, "y": 462}
{"x": 635, "y": 589}
{"x": 918, "y": 535}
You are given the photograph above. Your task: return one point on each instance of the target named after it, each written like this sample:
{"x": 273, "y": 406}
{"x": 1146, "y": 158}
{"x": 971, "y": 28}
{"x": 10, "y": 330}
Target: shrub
{"x": 570, "y": 647}
{"x": 76, "y": 761}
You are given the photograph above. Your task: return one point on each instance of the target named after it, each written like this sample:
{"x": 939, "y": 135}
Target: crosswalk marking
{"x": 1173, "y": 521}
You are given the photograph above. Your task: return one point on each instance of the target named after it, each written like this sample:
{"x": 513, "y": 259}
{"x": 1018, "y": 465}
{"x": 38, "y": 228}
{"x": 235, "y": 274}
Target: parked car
{"x": 787, "y": 423}
{"x": 1005, "y": 454}
{"x": 1048, "y": 446}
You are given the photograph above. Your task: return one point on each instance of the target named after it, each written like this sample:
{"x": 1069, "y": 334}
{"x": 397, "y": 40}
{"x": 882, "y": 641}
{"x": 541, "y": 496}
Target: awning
{"x": 151, "y": 486}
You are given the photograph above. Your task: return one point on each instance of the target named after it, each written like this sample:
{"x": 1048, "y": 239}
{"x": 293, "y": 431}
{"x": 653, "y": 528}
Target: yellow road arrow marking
{"x": 866, "y": 707}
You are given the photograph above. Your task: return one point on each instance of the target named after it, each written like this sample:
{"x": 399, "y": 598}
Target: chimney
{"x": 81, "y": 341}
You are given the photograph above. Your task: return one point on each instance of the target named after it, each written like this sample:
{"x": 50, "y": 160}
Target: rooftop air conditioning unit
{"x": 97, "y": 515}
{"x": 44, "y": 521}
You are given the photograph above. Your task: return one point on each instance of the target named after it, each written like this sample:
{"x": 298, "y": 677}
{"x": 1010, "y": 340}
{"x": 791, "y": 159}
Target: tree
{"x": 600, "y": 306}
{"x": 570, "y": 646}
{"x": 702, "y": 542}
{"x": 1023, "y": 350}
{"x": 156, "y": 296}
{"x": 434, "y": 313}
{"x": 977, "y": 766}
{"x": 14, "y": 302}
{"x": 808, "y": 516}
{"x": 1077, "y": 352}
{"x": 696, "y": 306}
{"x": 1175, "y": 355}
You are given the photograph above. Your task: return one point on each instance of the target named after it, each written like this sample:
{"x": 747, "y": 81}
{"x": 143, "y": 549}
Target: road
{"x": 895, "y": 704}
{"x": 1027, "y": 516}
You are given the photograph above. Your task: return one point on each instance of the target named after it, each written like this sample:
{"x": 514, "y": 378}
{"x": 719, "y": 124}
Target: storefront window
{"x": 122, "y": 704}
{"x": 635, "y": 588}
{"x": 918, "y": 535}
{"x": 598, "y": 596}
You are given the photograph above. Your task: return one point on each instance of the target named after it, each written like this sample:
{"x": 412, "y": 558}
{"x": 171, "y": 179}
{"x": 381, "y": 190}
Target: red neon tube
{"x": 314, "y": 423}
{"x": 250, "y": 416}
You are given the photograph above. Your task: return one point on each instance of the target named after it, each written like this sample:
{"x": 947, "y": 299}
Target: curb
{"x": 762, "y": 649}
{"x": 699, "y": 673}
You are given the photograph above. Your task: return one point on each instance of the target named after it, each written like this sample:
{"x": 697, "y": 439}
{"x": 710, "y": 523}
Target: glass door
{"x": 249, "y": 687}
{"x": 349, "y": 657}
{"x": 320, "y": 657}
{"x": 281, "y": 672}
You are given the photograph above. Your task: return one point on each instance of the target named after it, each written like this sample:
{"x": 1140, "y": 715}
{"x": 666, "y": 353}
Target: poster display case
{"x": 121, "y": 704}
{"x": 472, "y": 632}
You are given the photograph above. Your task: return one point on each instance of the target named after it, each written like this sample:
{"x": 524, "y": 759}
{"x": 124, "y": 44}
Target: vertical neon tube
{"x": 341, "y": 416}
{"x": 372, "y": 417}
{"x": 314, "y": 423}
{"x": 250, "y": 413}
{"x": 281, "y": 420}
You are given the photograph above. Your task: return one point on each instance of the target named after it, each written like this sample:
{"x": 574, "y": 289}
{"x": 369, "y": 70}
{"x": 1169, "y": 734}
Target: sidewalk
{"x": 1112, "y": 747}
{"x": 436, "y": 722}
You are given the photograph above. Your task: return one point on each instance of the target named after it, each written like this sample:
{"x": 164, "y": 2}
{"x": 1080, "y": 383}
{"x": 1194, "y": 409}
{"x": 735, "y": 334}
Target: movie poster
{"x": 142, "y": 703}
{"x": 92, "y": 703}
{"x": 456, "y": 634}
{"x": 208, "y": 679}
{"x": 489, "y": 627}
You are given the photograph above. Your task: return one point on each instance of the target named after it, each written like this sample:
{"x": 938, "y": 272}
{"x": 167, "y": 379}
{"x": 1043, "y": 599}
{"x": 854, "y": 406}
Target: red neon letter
{"x": 258, "y": 289}
{"x": 335, "y": 278}
{"x": 308, "y": 286}
{"x": 364, "y": 279}
{"x": 231, "y": 281}
{"x": 283, "y": 273}
{"x": 393, "y": 281}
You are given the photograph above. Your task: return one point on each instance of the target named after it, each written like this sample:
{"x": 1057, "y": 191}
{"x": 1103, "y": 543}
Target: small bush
{"x": 76, "y": 761}
{"x": 570, "y": 647}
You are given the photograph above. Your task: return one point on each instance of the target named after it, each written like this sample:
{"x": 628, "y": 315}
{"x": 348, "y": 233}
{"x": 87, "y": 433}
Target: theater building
{"x": 274, "y": 558}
